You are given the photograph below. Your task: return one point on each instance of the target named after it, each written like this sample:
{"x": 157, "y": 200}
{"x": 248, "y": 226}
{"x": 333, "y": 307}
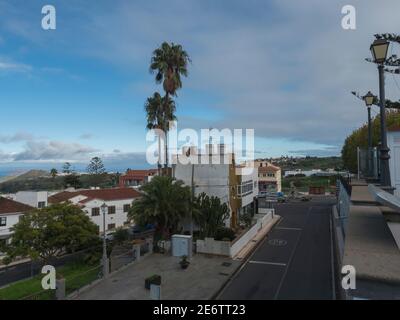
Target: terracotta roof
{"x": 270, "y": 168}
{"x": 11, "y": 206}
{"x": 140, "y": 173}
{"x": 102, "y": 194}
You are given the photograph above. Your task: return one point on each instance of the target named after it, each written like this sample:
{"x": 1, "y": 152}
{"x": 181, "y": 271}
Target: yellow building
{"x": 269, "y": 176}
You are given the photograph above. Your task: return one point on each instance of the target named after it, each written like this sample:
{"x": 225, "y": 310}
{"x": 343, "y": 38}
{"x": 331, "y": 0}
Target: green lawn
{"x": 303, "y": 183}
{"x": 76, "y": 275}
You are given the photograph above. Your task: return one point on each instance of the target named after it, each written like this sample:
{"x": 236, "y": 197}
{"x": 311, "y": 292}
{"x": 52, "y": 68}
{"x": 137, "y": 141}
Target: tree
{"x": 72, "y": 180}
{"x": 96, "y": 170}
{"x": 96, "y": 166}
{"x": 209, "y": 214}
{"x": 53, "y": 173}
{"x": 159, "y": 112}
{"x": 67, "y": 168}
{"x": 169, "y": 62}
{"x": 164, "y": 203}
{"x": 52, "y": 231}
{"x": 359, "y": 138}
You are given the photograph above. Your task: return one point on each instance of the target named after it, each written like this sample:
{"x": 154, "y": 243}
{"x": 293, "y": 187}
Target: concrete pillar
{"x": 60, "y": 289}
{"x": 150, "y": 244}
{"x": 136, "y": 251}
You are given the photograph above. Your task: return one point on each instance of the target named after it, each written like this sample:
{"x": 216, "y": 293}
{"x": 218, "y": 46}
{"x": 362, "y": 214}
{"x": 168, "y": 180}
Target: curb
{"x": 243, "y": 262}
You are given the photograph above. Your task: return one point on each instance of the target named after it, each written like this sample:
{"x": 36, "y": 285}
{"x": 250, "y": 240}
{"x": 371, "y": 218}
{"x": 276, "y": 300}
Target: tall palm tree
{"x": 169, "y": 62}
{"x": 164, "y": 202}
{"x": 159, "y": 111}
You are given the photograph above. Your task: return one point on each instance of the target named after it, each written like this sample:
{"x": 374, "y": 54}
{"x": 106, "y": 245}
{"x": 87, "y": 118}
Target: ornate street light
{"x": 105, "y": 259}
{"x": 369, "y": 99}
{"x": 379, "y": 49}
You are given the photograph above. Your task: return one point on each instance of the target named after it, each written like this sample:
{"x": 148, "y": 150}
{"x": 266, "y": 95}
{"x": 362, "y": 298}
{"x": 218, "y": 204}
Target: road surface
{"x": 294, "y": 261}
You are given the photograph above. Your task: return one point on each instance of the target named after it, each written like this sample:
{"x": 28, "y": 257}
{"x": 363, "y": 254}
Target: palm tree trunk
{"x": 166, "y": 135}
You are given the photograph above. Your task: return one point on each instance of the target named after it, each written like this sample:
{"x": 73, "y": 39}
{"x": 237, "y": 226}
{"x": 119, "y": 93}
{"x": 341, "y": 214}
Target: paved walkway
{"x": 203, "y": 278}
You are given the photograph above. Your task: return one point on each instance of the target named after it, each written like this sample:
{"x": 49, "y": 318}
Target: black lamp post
{"x": 379, "y": 49}
{"x": 369, "y": 100}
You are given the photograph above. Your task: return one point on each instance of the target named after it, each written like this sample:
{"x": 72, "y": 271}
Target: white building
{"x": 394, "y": 162}
{"x": 36, "y": 199}
{"x": 10, "y": 212}
{"x": 216, "y": 174}
{"x": 118, "y": 202}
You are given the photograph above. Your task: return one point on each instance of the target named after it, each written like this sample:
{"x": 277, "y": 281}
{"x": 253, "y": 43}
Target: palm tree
{"x": 169, "y": 62}
{"x": 164, "y": 202}
{"x": 53, "y": 173}
{"x": 159, "y": 112}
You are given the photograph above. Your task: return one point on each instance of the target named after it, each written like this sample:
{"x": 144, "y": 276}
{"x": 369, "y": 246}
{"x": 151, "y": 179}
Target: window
{"x": 95, "y": 212}
{"x": 41, "y": 204}
{"x": 111, "y": 210}
{"x": 3, "y": 221}
{"x": 127, "y": 207}
{"x": 111, "y": 226}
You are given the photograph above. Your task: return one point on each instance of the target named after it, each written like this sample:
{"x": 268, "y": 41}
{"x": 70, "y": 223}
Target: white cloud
{"x": 54, "y": 150}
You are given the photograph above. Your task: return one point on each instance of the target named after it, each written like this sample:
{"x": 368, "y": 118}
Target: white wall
{"x": 32, "y": 198}
{"x": 12, "y": 219}
{"x": 394, "y": 162}
{"x": 119, "y": 218}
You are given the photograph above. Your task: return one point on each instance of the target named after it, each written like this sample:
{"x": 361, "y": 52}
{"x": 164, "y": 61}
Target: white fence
{"x": 227, "y": 248}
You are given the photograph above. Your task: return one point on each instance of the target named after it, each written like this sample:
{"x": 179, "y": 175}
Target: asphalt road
{"x": 294, "y": 261}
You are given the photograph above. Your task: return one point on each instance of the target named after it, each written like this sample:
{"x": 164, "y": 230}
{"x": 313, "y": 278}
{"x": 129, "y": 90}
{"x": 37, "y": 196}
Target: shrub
{"x": 224, "y": 233}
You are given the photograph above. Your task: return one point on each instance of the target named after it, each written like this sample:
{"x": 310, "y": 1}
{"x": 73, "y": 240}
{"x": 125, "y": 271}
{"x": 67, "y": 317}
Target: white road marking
{"x": 285, "y": 228}
{"x": 269, "y": 263}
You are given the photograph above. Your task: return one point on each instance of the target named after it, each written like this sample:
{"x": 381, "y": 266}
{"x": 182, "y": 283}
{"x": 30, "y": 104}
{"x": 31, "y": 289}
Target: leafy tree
{"x": 72, "y": 180}
{"x": 164, "y": 203}
{"x": 96, "y": 170}
{"x": 359, "y": 138}
{"x": 96, "y": 166}
{"x": 121, "y": 235}
{"x": 67, "y": 168}
{"x": 52, "y": 231}
{"x": 209, "y": 214}
{"x": 53, "y": 173}
{"x": 169, "y": 62}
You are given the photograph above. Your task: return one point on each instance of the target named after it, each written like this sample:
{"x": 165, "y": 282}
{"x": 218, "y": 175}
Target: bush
{"x": 224, "y": 233}
{"x": 246, "y": 220}
{"x": 154, "y": 279}
{"x": 121, "y": 235}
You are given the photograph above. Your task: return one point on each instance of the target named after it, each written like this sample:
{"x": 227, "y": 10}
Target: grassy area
{"x": 303, "y": 183}
{"x": 76, "y": 276}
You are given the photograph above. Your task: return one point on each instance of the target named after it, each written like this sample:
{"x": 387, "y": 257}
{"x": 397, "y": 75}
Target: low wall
{"x": 230, "y": 249}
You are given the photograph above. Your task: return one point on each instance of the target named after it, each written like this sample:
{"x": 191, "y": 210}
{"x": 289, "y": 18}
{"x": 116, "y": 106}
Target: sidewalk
{"x": 204, "y": 277}
{"x": 247, "y": 249}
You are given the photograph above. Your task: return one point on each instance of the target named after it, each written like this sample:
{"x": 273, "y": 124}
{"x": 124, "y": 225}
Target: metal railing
{"x": 368, "y": 163}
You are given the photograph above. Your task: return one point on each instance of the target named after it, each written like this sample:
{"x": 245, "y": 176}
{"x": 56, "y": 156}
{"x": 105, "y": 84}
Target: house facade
{"x": 269, "y": 176}
{"x": 215, "y": 173}
{"x": 118, "y": 202}
{"x": 394, "y": 162}
{"x": 136, "y": 178}
{"x": 10, "y": 212}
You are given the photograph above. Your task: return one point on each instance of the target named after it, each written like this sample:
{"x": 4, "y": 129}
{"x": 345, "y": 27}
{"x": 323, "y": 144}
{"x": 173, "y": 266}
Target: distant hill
{"x": 31, "y": 174}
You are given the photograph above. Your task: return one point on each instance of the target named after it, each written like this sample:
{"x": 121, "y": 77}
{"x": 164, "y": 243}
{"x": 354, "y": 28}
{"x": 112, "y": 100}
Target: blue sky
{"x": 284, "y": 68}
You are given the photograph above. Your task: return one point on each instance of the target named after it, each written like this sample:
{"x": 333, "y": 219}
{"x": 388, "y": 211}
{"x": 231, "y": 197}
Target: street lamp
{"x": 369, "y": 99}
{"x": 105, "y": 259}
{"x": 379, "y": 49}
